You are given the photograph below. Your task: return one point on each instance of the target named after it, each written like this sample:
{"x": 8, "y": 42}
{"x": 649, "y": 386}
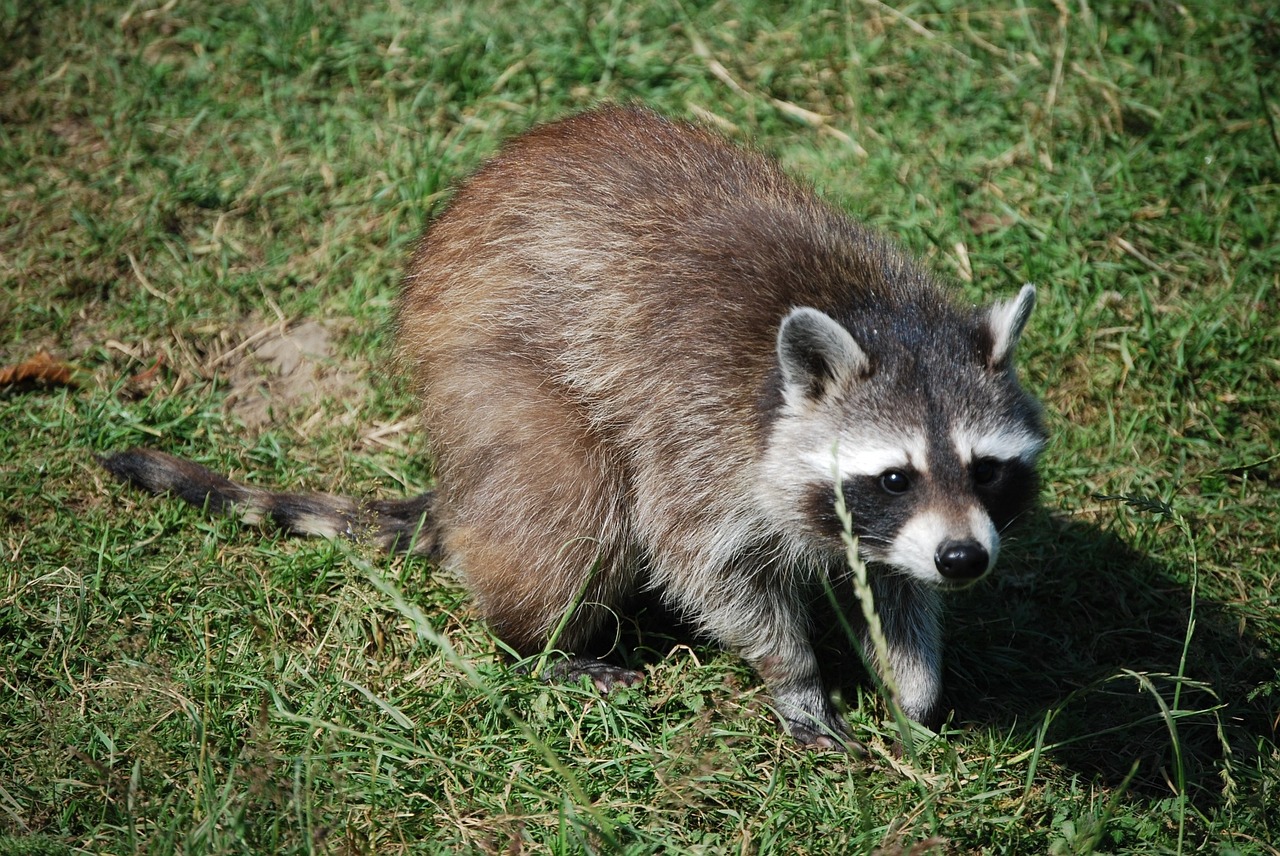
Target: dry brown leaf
{"x": 40, "y": 370}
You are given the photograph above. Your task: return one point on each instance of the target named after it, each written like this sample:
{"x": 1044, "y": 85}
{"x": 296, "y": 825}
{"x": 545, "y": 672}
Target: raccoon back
{"x": 636, "y": 260}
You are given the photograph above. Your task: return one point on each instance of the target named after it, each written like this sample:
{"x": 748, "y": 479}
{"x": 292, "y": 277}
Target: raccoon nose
{"x": 961, "y": 560}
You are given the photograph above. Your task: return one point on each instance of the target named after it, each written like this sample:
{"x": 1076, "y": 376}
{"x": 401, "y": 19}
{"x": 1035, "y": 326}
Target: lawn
{"x": 204, "y": 211}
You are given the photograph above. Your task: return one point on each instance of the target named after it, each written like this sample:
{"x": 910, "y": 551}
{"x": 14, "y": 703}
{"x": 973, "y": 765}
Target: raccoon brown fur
{"x": 647, "y": 360}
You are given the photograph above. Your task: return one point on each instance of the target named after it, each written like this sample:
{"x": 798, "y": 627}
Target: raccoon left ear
{"x": 815, "y": 353}
{"x": 1005, "y": 320}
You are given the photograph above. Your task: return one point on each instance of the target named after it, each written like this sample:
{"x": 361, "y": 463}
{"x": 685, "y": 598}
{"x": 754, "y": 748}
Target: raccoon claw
{"x": 605, "y": 676}
{"x": 834, "y": 737}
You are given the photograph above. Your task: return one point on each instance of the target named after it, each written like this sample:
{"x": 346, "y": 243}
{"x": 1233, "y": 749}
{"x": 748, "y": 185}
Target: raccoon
{"x": 648, "y": 360}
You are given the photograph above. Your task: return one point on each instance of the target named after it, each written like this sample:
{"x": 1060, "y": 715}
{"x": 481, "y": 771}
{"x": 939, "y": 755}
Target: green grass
{"x": 175, "y": 178}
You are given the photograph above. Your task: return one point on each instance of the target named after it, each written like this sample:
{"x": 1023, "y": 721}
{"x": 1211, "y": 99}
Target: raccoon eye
{"x": 986, "y": 471}
{"x": 895, "y": 482}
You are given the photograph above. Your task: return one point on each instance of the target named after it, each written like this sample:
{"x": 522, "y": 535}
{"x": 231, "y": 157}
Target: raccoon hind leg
{"x": 533, "y": 513}
{"x": 606, "y": 677}
{"x": 551, "y": 576}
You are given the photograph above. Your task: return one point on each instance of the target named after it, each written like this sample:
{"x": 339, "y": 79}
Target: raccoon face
{"x": 929, "y": 505}
{"x": 933, "y": 451}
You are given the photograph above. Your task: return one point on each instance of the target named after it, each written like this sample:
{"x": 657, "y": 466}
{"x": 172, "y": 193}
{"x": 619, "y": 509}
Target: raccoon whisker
{"x": 1012, "y": 520}
{"x": 874, "y": 541}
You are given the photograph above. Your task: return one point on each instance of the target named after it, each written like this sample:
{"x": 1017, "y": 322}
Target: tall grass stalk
{"x": 877, "y": 661}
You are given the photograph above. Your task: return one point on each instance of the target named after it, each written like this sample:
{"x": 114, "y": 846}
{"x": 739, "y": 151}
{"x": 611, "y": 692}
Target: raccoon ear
{"x": 1005, "y": 321}
{"x": 815, "y": 353}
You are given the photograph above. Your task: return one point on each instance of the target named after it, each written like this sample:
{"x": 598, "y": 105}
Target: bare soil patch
{"x": 285, "y": 369}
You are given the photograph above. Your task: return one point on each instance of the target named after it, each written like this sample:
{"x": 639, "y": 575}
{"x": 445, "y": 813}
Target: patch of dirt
{"x": 280, "y": 369}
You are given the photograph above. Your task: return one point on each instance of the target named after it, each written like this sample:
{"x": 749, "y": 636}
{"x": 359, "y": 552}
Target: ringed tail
{"x": 401, "y": 526}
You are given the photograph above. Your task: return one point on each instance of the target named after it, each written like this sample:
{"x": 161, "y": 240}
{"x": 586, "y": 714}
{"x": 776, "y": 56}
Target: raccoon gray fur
{"x": 647, "y": 360}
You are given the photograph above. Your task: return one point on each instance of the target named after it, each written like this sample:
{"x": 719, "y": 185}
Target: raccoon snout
{"x": 961, "y": 560}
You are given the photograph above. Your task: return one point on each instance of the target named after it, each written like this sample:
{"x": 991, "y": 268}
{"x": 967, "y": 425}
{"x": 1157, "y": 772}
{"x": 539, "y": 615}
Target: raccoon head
{"x": 917, "y": 418}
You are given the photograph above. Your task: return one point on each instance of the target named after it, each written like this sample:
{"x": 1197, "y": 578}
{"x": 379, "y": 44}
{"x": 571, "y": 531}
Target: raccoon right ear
{"x": 1005, "y": 321}
{"x": 816, "y": 354}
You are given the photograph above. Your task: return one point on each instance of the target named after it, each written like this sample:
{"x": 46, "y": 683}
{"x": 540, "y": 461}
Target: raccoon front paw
{"x": 818, "y": 729}
{"x": 830, "y": 736}
{"x": 604, "y": 676}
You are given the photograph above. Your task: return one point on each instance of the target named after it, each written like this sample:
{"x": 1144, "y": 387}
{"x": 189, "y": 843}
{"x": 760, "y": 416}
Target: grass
{"x": 176, "y": 179}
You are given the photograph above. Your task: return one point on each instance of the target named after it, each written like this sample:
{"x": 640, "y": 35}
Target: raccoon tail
{"x": 394, "y": 525}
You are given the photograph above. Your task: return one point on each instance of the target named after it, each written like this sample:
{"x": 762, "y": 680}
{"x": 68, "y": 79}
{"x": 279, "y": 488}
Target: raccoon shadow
{"x": 1079, "y": 631}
